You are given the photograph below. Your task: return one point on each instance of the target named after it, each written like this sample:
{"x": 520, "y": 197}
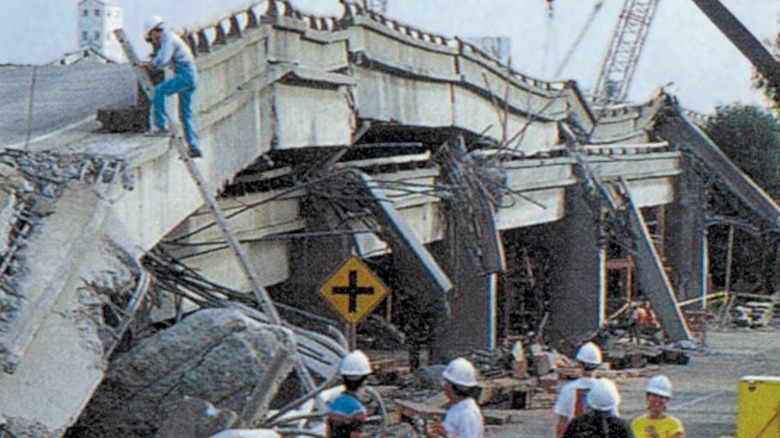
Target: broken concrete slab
{"x": 195, "y": 418}
{"x": 109, "y": 84}
{"x": 49, "y": 263}
{"x": 216, "y": 355}
{"x": 64, "y": 358}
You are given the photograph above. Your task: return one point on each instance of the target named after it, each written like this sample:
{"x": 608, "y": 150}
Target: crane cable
{"x": 550, "y": 41}
{"x": 580, "y": 37}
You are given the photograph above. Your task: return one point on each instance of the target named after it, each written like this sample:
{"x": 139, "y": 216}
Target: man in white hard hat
{"x": 171, "y": 51}
{"x": 463, "y": 418}
{"x": 656, "y": 423}
{"x": 571, "y": 397}
{"x": 346, "y": 414}
{"x": 600, "y": 421}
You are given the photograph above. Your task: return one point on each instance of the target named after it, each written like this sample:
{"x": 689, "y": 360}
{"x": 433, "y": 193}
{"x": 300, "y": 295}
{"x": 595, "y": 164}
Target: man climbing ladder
{"x": 169, "y": 49}
{"x": 261, "y": 294}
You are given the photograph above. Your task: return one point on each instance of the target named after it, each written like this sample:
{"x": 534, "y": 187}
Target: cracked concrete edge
{"x": 79, "y": 307}
{"x": 45, "y": 278}
{"x": 40, "y": 278}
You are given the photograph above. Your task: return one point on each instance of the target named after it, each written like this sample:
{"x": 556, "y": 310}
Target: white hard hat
{"x": 590, "y": 354}
{"x": 461, "y": 372}
{"x": 659, "y": 385}
{"x": 603, "y": 395}
{"x": 153, "y": 23}
{"x": 355, "y": 364}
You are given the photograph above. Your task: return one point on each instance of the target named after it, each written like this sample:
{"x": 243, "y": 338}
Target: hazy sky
{"x": 683, "y": 46}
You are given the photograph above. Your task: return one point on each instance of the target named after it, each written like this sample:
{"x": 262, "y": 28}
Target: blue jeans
{"x": 184, "y": 82}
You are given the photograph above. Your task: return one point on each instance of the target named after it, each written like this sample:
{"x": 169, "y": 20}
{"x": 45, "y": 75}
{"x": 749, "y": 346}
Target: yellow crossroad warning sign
{"x": 353, "y": 290}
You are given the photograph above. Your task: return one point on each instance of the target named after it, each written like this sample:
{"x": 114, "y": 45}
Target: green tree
{"x": 770, "y": 89}
{"x": 750, "y": 136}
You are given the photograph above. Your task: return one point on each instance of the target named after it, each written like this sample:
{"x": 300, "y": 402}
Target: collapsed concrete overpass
{"x": 334, "y": 136}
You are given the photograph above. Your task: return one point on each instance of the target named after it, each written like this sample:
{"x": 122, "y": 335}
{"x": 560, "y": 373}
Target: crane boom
{"x": 628, "y": 39}
{"x": 629, "y": 36}
{"x": 740, "y": 36}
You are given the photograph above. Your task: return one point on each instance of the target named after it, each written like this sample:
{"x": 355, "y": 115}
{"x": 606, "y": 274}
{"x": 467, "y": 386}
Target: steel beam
{"x": 683, "y": 134}
{"x": 401, "y": 238}
{"x": 741, "y": 37}
{"x": 652, "y": 276}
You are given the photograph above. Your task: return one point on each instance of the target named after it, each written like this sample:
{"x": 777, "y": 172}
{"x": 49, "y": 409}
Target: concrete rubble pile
{"x": 32, "y": 184}
{"x": 76, "y": 286}
{"x": 214, "y": 355}
{"x": 62, "y": 249}
{"x": 34, "y": 187}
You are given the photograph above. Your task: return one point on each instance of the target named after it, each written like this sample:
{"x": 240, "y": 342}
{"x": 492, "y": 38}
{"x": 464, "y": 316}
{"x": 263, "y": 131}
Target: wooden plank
{"x": 426, "y": 412}
{"x": 497, "y": 417}
{"x": 413, "y": 409}
{"x": 263, "y": 176}
{"x": 512, "y": 384}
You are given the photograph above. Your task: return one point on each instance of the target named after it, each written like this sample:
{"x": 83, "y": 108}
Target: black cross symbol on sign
{"x": 353, "y": 291}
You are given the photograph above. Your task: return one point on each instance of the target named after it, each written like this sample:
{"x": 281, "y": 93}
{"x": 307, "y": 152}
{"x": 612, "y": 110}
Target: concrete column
{"x": 316, "y": 258}
{"x": 577, "y": 271}
{"x": 469, "y": 326}
{"x": 492, "y": 311}
{"x": 685, "y": 235}
{"x": 470, "y": 302}
{"x": 602, "y": 254}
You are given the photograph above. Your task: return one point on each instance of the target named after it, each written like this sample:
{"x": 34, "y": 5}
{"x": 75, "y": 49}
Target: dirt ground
{"x": 705, "y": 390}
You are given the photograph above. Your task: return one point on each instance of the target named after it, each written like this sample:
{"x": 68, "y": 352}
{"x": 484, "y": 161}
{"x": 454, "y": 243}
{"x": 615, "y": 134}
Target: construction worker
{"x": 463, "y": 418}
{"x": 170, "y": 50}
{"x": 346, "y": 415}
{"x": 656, "y": 423}
{"x": 638, "y": 319}
{"x": 600, "y": 421}
{"x": 648, "y": 326}
{"x": 571, "y": 397}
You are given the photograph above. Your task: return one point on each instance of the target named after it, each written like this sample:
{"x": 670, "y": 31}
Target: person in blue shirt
{"x": 346, "y": 415}
{"x": 171, "y": 51}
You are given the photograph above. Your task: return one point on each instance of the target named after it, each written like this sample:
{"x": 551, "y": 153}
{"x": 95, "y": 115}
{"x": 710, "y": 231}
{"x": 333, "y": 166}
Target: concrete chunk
{"x": 194, "y": 418}
{"x": 215, "y": 355}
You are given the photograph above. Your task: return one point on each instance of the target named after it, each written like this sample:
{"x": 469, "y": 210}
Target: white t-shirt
{"x": 571, "y": 398}
{"x": 172, "y": 51}
{"x": 464, "y": 420}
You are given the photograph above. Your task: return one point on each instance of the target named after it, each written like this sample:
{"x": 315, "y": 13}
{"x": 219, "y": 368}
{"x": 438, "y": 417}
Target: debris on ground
{"x": 210, "y": 355}
{"x": 165, "y": 387}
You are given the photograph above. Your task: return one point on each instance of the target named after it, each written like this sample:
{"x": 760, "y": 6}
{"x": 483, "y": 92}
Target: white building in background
{"x": 97, "y": 21}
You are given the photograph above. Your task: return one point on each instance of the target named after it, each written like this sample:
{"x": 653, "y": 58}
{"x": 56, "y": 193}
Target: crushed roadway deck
{"x": 61, "y": 97}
